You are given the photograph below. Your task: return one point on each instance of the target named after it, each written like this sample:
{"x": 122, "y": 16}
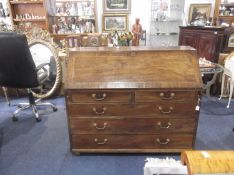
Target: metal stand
{"x": 32, "y": 104}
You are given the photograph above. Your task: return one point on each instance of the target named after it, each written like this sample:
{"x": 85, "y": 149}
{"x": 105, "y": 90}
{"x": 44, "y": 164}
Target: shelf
{"x": 227, "y": 4}
{"x": 29, "y": 20}
{"x": 63, "y": 1}
{"x": 164, "y": 34}
{"x": 81, "y": 17}
{"x": 220, "y": 16}
{"x": 167, "y": 21}
{"x": 26, "y": 2}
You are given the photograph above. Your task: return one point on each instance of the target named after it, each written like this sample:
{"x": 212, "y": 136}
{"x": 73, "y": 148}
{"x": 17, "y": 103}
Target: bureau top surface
{"x": 133, "y": 67}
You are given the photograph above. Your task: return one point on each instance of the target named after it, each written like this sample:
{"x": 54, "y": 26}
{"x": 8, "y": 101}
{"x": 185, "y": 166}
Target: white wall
{"x": 139, "y": 8}
{"x": 142, "y": 9}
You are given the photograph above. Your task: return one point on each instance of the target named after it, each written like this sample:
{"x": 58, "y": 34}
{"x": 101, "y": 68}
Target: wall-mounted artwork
{"x": 117, "y": 22}
{"x": 116, "y": 6}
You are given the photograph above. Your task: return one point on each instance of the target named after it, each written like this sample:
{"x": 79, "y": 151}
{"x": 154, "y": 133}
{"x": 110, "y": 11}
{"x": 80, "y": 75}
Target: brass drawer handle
{"x": 100, "y": 143}
{"x": 167, "y": 97}
{"x": 99, "y": 112}
{"x": 168, "y": 125}
{"x": 165, "y": 142}
{"x": 165, "y": 112}
{"x": 100, "y": 128}
{"x": 99, "y": 96}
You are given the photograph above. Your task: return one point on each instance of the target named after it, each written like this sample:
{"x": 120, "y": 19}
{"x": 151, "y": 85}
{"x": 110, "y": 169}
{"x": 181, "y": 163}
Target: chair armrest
{"x": 42, "y": 66}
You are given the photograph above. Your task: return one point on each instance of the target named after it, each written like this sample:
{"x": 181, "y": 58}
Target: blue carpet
{"x": 31, "y": 148}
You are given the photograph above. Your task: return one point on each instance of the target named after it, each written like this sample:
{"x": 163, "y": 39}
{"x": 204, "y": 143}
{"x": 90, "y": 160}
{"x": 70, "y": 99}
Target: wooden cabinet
{"x": 132, "y": 99}
{"x": 208, "y": 41}
{"x": 27, "y": 11}
{"x": 60, "y": 17}
{"x": 224, "y": 12}
{"x": 71, "y": 17}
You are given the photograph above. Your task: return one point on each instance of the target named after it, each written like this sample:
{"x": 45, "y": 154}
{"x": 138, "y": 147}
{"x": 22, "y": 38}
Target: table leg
{"x": 6, "y": 95}
{"x": 208, "y": 85}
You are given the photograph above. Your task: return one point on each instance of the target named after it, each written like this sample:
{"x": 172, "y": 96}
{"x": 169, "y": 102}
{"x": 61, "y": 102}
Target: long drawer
{"x": 91, "y": 96}
{"x": 162, "y": 141}
{"x": 132, "y": 109}
{"x": 131, "y": 125}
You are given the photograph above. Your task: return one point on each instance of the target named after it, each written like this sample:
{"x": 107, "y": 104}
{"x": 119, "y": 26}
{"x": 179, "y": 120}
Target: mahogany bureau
{"x": 132, "y": 99}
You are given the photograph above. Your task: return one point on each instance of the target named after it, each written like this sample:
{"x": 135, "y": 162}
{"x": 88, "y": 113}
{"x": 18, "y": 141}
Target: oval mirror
{"x": 50, "y": 75}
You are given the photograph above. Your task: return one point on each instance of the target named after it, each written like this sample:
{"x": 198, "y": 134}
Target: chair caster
{"x": 14, "y": 119}
{"x": 55, "y": 109}
{"x": 38, "y": 119}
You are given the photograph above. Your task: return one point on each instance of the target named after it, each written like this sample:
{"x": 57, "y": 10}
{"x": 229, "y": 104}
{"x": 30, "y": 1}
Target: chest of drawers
{"x": 132, "y": 99}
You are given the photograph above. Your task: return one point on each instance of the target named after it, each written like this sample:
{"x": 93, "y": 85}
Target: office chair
{"x": 18, "y": 70}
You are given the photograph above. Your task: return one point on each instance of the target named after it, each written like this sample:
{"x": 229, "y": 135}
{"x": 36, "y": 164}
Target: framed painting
{"x": 116, "y": 6}
{"x": 117, "y": 22}
{"x": 199, "y": 11}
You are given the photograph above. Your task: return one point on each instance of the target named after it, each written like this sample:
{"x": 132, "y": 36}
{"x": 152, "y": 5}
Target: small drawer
{"x": 151, "y": 96}
{"x": 131, "y": 110}
{"x": 98, "y": 96}
{"x": 131, "y": 141}
{"x": 131, "y": 125}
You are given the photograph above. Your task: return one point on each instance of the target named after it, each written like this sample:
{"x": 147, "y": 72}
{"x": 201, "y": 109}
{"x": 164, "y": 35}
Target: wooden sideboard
{"x": 132, "y": 99}
{"x": 209, "y": 41}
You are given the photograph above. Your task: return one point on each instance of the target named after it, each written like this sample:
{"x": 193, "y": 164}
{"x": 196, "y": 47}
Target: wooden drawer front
{"x": 98, "y": 96}
{"x": 131, "y": 110}
{"x": 131, "y": 125}
{"x": 85, "y": 141}
{"x": 150, "y": 96}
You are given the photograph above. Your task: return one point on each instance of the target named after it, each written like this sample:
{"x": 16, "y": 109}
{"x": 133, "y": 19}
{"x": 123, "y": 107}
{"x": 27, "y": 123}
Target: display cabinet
{"x": 208, "y": 41}
{"x": 166, "y": 17}
{"x": 28, "y": 11}
{"x": 71, "y": 17}
{"x": 224, "y": 12}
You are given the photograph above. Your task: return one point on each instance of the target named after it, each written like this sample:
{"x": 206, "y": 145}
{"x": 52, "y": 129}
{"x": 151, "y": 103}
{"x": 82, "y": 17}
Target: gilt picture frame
{"x": 197, "y": 11}
{"x": 117, "y": 22}
{"x": 116, "y": 6}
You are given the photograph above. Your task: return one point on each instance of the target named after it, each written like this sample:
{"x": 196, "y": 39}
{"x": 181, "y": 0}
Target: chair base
{"x": 23, "y": 106}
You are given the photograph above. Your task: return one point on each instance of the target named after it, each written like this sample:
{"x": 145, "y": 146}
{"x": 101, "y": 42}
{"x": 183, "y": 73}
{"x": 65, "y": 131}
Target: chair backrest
{"x": 229, "y": 64}
{"x": 17, "y": 68}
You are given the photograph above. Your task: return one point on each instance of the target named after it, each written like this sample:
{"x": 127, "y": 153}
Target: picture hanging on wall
{"x": 117, "y": 22}
{"x": 116, "y": 6}
{"x": 199, "y": 13}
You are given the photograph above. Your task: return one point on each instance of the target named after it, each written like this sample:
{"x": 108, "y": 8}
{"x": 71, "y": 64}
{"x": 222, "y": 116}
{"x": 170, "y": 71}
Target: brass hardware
{"x": 99, "y": 96}
{"x": 168, "y": 125}
{"x": 99, "y": 112}
{"x": 100, "y": 128}
{"x": 163, "y": 142}
{"x": 165, "y": 112}
{"x": 100, "y": 143}
{"x": 167, "y": 97}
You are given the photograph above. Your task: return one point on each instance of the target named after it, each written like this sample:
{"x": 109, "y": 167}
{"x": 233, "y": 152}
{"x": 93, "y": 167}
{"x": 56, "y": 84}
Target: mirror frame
{"x": 58, "y": 68}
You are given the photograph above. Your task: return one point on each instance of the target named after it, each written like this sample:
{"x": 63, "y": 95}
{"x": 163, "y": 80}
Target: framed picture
{"x": 116, "y": 6}
{"x": 117, "y": 22}
{"x": 199, "y": 11}
{"x": 231, "y": 40}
